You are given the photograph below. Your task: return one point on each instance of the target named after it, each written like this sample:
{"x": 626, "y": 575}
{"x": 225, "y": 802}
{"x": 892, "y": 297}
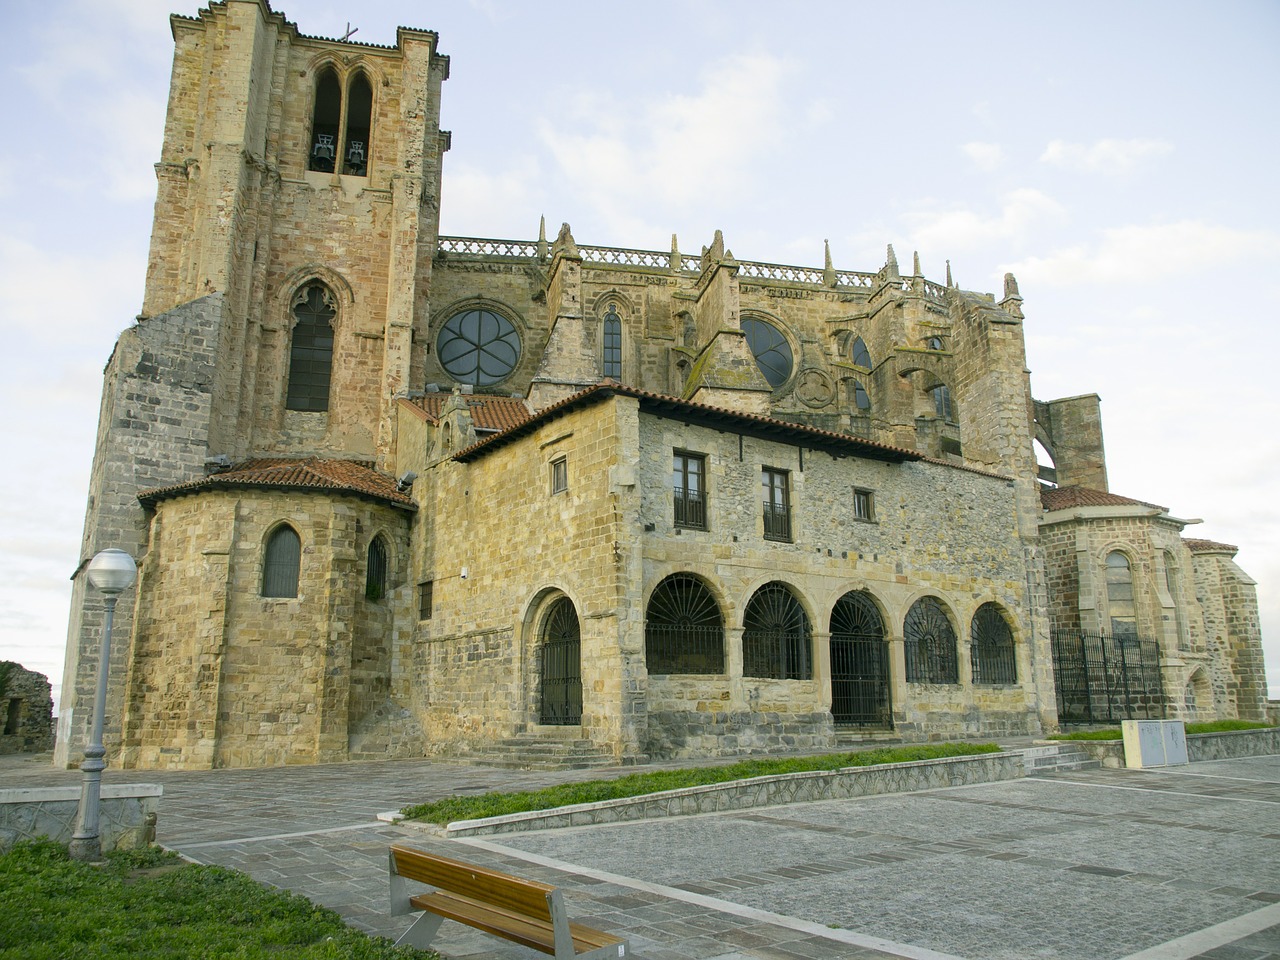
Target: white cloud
{"x": 959, "y": 229}
{"x": 1136, "y": 254}
{"x": 674, "y": 150}
{"x": 62, "y": 298}
{"x": 1104, "y": 156}
{"x": 985, "y": 156}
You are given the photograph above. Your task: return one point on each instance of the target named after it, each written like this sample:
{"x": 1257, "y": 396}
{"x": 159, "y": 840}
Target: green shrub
{"x": 497, "y": 804}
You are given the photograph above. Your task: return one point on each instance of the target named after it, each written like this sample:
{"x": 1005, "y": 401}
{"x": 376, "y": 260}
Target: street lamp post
{"x": 110, "y": 572}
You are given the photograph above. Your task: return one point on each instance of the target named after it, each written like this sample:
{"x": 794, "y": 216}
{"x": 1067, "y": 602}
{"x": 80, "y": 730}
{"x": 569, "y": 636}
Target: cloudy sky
{"x": 1118, "y": 157}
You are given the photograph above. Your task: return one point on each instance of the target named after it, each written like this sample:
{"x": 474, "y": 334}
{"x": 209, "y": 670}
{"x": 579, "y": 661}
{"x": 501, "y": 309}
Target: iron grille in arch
{"x": 775, "y": 635}
{"x": 859, "y": 664}
{"x": 561, "y": 665}
{"x": 684, "y": 632}
{"x": 930, "y": 644}
{"x": 991, "y": 652}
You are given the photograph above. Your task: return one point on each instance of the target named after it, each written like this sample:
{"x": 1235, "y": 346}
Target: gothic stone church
{"x": 397, "y": 494}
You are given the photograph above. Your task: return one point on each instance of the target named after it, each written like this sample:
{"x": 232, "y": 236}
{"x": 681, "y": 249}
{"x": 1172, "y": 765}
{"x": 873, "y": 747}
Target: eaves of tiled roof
{"x": 487, "y": 412}
{"x": 1067, "y": 498}
{"x": 700, "y": 414}
{"x": 309, "y": 474}
{"x": 1210, "y": 546}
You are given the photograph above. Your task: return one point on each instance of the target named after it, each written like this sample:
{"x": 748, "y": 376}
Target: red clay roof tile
{"x": 1209, "y": 546}
{"x": 309, "y": 473}
{"x": 1065, "y": 498}
{"x": 487, "y": 412}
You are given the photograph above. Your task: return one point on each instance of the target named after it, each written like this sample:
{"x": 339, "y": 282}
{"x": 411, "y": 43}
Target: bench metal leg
{"x": 422, "y": 932}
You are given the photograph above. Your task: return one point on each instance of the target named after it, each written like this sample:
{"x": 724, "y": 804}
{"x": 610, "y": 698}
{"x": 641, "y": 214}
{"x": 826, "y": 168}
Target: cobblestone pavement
{"x": 1147, "y": 865}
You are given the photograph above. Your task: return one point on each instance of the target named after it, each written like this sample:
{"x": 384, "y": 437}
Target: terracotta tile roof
{"x": 1209, "y": 546}
{"x": 1065, "y": 498}
{"x": 310, "y": 473}
{"x": 692, "y": 412}
{"x": 487, "y": 412}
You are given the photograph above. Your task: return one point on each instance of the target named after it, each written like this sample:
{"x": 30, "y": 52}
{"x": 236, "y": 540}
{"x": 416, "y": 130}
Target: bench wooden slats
{"x": 522, "y": 911}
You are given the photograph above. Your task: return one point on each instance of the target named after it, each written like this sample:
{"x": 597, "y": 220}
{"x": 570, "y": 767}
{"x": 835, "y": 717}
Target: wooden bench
{"x": 522, "y": 911}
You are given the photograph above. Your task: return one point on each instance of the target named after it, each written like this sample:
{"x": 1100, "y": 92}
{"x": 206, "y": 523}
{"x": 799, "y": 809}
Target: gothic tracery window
{"x": 311, "y": 350}
{"x": 478, "y": 347}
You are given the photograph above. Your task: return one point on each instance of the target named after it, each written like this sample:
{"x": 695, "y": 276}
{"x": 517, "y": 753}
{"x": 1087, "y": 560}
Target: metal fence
{"x": 1101, "y": 679}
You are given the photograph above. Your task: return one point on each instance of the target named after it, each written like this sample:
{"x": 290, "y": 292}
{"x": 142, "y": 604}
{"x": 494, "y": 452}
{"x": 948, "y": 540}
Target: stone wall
{"x": 26, "y": 710}
{"x": 222, "y": 676}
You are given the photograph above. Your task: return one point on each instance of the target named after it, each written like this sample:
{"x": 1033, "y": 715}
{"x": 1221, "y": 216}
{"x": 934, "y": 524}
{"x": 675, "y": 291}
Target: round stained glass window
{"x": 478, "y": 347}
{"x": 771, "y": 350}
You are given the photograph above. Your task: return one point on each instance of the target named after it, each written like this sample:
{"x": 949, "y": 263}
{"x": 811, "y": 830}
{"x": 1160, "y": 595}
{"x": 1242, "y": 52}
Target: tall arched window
{"x": 356, "y": 145}
{"x": 612, "y": 343}
{"x": 1120, "y": 608}
{"x": 941, "y": 396}
{"x": 683, "y": 631}
{"x": 775, "y": 635}
{"x": 280, "y": 563}
{"x": 324, "y": 122}
{"x": 991, "y": 652}
{"x": 375, "y": 573}
{"x": 861, "y": 400}
{"x": 859, "y": 353}
{"x": 311, "y": 353}
{"x": 930, "y": 643}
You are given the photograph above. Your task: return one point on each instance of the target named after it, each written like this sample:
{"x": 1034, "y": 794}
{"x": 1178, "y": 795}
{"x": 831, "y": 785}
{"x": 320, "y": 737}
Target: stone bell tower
{"x": 297, "y": 211}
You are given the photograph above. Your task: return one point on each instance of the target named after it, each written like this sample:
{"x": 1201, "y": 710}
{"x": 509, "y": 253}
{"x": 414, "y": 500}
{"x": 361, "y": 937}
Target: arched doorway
{"x": 560, "y": 686}
{"x": 859, "y": 664}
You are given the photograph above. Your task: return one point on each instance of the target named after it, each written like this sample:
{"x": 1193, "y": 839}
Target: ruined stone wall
{"x": 1228, "y": 603}
{"x": 26, "y": 710}
{"x": 153, "y": 429}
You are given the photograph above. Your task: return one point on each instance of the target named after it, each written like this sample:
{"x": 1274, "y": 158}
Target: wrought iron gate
{"x": 859, "y": 664}
{"x": 561, "y": 687}
{"x": 1102, "y": 679}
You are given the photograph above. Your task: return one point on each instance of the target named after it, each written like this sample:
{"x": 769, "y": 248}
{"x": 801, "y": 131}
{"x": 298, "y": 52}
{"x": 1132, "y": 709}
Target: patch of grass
{"x": 149, "y": 904}
{"x": 1210, "y": 726}
{"x": 1114, "y": 734}
{"x": 1221, "y": 726}
{"x": 637, "y": 784}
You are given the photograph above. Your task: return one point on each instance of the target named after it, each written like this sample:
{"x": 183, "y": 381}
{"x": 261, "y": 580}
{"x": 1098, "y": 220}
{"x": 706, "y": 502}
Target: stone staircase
{"x": 537, "y": 752}
{"x": 1057, "y": 758}
{"x": 857, "y": 737}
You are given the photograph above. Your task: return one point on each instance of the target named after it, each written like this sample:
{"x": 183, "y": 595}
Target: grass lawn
{"x": 151, "y": 904}
{"x": 496, "y": 804}
{"x": 1212, "y": 726}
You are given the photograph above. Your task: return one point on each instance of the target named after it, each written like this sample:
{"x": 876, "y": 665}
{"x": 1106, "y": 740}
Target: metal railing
{"x": 1102, "y": 679}
{"x": 678, "y": 648}
{"x": 777, "y": 521}
{"x": 690, "y": 509}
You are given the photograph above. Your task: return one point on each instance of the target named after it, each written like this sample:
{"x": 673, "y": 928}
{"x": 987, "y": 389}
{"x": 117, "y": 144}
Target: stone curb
{"x": 766, "y": 791}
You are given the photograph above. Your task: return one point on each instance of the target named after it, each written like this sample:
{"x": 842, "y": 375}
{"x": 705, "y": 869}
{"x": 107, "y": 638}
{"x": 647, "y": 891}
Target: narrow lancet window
{"x": 357, "y": 143}
{"x": 280, "y": 563}
{"x": 324, "y": 122}
{"x": 612, "y": 344}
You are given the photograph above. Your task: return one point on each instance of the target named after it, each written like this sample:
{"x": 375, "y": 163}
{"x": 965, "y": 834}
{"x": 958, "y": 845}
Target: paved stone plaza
{"x": 1099, "y": 864}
